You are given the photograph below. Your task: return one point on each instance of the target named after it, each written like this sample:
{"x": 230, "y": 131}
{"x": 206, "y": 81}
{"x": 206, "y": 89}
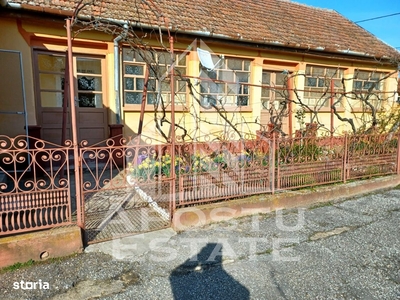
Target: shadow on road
{"x": 203, "y": 277}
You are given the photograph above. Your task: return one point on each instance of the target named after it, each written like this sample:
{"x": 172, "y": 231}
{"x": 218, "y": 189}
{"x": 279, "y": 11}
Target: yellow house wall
{"x": 12, "y": 39}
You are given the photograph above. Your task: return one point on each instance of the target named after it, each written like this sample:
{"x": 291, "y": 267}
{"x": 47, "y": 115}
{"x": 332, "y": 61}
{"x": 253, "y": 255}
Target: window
{"x": 51, "y": 72}
{"x": 158, "y": 87}
{"x": 364, "y": 81}
{"x": 318, "y": 81}
{"x": 89, "y": 82}
{"x": 367, "y": 85}
{"x": 275, "y": 93}
{"x": 87, "y": 72}
{"x": 226, "y": 84}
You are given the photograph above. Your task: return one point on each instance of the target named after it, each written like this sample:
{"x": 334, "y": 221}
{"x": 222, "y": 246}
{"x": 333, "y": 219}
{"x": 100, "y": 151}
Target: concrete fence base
{"x": 40, "y": 245}
{"x": 200, "y": 215}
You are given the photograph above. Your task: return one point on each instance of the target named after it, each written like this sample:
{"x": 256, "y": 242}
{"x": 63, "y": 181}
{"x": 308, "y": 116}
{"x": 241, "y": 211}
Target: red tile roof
{"x": 272, "y": 22}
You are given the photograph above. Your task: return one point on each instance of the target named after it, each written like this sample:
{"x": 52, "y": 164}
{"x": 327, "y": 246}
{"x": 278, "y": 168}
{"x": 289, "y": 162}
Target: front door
{"x": 91, "y": 114}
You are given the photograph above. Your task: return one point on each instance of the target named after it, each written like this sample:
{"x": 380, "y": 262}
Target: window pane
{"x": 357, "y": 84}
{"x": 233, "y": 89}
{"x": 266, "y": 78}
{"x": 243, "y": 100}
{"x": 370, "y": 84}
{"x": 89, "y": 84}
{"x": 214, "y": 88}
{"x": 88, "y": 65}
{"x": 164, "y": 58}
{"x": 134, "y": 69}
{"x": 127, "y": 54}
{"x": 376, "y": 76}
{"x": 180, "y": 71}
{"x": 321, "y": 82}
{"x": 86, "y": 100}
{"x": 180, "y": 99}
{"x": 318, "y": 71}
{"x": 153, "y": 71}
{"x": 51, "y": 99}
{"x": 51, "y": 81}
{"x": 226, "y": 75}
{"x": 144, "y": 56}
{"x": 315, "y": 95}
{"x": 182, "y": 60}
{"x": 51, "y": 63}
{"x": 246, "y": 65}
{"x": 181, "y": 86}
{"x": 165, "y": 86}
{"x": 242, "y": 77}
{"x": 310, "y": 81}
{"x": 212, "y": 74}
{"x": 204, "y": 87}
{"x": 151, "y": 85}
{"x": 151, "y": 98}
{"x": 221, "y": 88}
{"x": 234, "y": 64}
{"x": 139, "y": 83}
{"x": 335, "y": 73}
{"x": 280, "y": 79}
{"x": 337, "y": 83}
{"x": 265, "y": 92}
{"x": 129, "y": 84}
{"x": 362, "y": 75}
{"x": 133, "y": 98}
{"x": 163, "y": 71}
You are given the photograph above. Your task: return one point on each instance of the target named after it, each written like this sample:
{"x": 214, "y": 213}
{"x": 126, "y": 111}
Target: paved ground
{"x": 347, "y": 250}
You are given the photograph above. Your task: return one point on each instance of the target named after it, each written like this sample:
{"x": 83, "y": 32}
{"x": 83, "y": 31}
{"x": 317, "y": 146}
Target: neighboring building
{"x": 260, "y": 41}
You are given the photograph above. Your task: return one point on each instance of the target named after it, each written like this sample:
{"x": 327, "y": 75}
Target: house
{"x": 263, "y": 53}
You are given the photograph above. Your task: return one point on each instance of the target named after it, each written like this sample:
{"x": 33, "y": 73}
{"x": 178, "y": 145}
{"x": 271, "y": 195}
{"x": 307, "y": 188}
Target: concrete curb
{"x": 200, "y": 215}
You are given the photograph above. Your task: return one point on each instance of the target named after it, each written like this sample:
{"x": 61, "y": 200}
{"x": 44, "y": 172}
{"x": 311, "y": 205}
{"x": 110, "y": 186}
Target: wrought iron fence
{"x": 34, "y": 186}
{"x": 130, "y": 179}
{"x": 372, "y": 155}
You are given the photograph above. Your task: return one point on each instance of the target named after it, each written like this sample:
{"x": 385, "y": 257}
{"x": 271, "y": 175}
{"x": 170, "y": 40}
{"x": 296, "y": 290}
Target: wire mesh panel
{"x": 126, "y": 189}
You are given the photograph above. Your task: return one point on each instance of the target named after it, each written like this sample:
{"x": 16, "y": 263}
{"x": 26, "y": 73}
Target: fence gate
{"x": 115, "y": 202}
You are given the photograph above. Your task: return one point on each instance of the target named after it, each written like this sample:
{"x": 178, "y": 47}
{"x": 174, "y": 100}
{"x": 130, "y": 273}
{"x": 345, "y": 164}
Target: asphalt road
{"x": 344, "y": 250}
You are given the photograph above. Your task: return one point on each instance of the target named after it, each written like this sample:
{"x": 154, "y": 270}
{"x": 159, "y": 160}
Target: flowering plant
{"x": 149, "y": 167}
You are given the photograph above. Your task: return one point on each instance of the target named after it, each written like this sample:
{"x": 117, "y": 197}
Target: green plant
{"x": 300, "y": 152}
{"x": 18, "y": 266}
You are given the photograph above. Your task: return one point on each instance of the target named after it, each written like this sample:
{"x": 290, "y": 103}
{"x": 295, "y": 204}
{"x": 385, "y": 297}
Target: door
{"x": 89, "y": 101}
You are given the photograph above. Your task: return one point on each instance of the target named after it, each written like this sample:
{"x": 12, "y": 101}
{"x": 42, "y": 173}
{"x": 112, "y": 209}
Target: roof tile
{"x": 272, "y": 22}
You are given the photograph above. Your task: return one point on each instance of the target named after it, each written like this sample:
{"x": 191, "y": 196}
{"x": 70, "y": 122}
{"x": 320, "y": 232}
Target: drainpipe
{"x": 117, "y": 72}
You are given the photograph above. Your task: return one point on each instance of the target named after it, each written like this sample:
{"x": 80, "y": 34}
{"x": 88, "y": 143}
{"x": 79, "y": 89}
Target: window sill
{"x": 227, "y": 109}
{"x": 328, "y": 109}
{"x": 150, "y": 108}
